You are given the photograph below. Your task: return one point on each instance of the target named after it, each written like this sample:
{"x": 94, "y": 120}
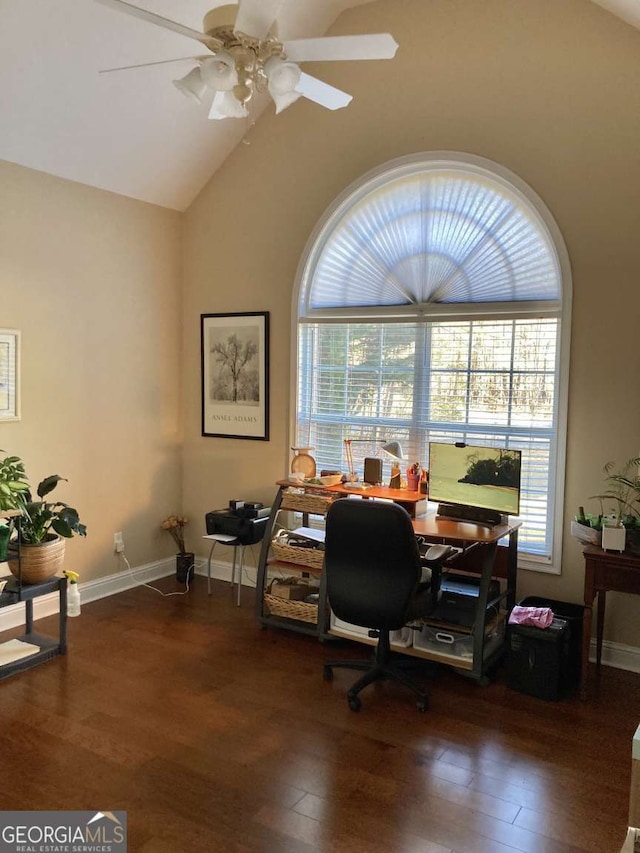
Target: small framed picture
{"x": 9, "y": 375}
{"x": 235, "y": 375}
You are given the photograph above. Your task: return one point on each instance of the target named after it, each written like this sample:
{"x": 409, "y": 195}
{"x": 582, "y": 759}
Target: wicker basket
{"x": 312, "y": 557}
{"x": 299, "y": 610}
{"x": 316, "y": 504}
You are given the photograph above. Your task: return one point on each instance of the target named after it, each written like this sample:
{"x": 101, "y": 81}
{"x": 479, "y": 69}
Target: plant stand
{"x": 48, "y": 648}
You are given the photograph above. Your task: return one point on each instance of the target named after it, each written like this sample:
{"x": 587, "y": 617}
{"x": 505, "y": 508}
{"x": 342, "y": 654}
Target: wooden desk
{"x": 413, "y": 502}
{"x": 464, "y": 533}
{"x": 428, "y": 525}
{"x": 445, "y": 530}
{"x": 604, "y": 571}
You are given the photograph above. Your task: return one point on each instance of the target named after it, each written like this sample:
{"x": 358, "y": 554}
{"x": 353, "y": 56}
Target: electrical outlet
{"x": 118, "y": 543}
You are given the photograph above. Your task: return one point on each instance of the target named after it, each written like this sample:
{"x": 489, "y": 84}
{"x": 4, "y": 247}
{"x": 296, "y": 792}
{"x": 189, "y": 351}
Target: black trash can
{"x": 537, "y": 659}
{"x": 573, "y": 614}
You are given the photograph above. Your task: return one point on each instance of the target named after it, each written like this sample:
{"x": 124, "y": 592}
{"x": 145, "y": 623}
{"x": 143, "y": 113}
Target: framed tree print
{"x": 9, "y": 375}
{"x": 235, "y": 375}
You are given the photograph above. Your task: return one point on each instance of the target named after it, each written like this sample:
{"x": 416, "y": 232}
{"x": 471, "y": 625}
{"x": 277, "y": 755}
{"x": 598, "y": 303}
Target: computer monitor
{"x": 481, "y": 484}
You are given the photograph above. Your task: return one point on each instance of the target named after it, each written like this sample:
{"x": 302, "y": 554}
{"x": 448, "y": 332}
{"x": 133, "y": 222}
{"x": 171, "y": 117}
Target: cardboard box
{"x": 291, "y": 591}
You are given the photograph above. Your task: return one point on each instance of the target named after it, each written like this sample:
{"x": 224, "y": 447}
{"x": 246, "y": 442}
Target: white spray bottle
{"x": 73, "y": 593}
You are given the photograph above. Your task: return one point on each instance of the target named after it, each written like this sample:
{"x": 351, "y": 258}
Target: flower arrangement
{"x": 175, "y": 525}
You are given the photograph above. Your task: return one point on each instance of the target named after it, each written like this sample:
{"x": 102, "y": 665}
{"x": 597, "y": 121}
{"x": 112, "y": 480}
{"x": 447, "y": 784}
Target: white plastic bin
{"x": 402, "y": 638}
{"x": 431, "y": 638}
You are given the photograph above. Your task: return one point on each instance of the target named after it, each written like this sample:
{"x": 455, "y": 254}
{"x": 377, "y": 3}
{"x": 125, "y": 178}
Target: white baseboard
{"x": 47, "y": 605}
{"x": 613, "y": 654}
{"x": 617, "y": 655}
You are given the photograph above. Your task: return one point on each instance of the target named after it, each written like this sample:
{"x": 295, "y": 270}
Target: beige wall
{"x": 92, "y": 281}
{"x": 547, "y": 89}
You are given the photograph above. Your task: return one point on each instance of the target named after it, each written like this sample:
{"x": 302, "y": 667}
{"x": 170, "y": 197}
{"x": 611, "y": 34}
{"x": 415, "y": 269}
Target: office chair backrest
{"x": 372, "y": 563}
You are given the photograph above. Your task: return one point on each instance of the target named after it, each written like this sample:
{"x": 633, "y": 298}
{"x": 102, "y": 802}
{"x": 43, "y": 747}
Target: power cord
{"x": 154, "y": 588}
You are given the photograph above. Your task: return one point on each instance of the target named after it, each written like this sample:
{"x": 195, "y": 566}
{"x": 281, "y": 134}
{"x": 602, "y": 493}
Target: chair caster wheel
{"x": 354, "y": 703}
{"x": 327, "y": 673}
{"x": 421, "y": 705}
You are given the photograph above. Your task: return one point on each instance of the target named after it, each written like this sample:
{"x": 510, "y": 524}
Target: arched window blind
{"x": 432, "y": 306}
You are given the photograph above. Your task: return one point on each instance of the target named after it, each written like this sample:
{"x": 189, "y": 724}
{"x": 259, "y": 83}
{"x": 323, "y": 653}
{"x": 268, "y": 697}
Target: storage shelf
{"x": 289, "y": 624}
{"x": 463, "y": 629}
{"x": 272, "y": 563}
{"x": 440, "y": 657}
{"x": 15, "y": 592}
{"x": 48, "y": 649}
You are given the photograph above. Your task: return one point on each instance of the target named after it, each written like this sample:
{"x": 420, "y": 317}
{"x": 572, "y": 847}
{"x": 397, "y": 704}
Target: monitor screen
{"x": 485, "y": 477}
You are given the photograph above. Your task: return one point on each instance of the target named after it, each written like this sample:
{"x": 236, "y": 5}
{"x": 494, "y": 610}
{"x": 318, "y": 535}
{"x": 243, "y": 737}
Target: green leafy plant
{"x": 13, "y": 484}
{"x": 622, "y": 490}
{"x": 43, "y": 518}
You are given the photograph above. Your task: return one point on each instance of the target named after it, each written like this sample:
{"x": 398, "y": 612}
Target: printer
{"x": 458, "y": 602}
{"x": 245, "y": 521}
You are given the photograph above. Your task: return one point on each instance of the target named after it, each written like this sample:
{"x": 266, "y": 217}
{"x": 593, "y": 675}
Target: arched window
{"x": 433, "y": 304}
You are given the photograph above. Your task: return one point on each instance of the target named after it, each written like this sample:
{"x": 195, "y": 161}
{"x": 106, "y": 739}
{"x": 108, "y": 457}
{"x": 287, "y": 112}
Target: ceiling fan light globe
{"x": 219, "y": 72}
{"x": 283, "y": 76}
{"x": 226, "y": 105}
{"x": 192, "y": 85}
{"x": 284, "y": 101}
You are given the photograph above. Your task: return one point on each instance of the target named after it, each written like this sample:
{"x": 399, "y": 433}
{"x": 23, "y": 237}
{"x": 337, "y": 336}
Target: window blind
{"x": 433, "y": 304}
{"x": 482, "y": 382}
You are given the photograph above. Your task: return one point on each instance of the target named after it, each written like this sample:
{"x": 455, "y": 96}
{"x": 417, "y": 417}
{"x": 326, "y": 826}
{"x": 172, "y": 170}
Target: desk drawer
{"x": 617, "y": 578}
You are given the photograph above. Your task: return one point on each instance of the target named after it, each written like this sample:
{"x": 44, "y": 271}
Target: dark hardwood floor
{"x": 215, "y": 735}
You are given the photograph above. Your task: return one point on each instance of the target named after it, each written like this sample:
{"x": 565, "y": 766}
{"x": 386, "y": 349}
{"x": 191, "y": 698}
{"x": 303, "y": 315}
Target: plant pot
{"x": 39, "y": 562}
{"x": 185, "y": 567}
{"x": 413, "y": 481}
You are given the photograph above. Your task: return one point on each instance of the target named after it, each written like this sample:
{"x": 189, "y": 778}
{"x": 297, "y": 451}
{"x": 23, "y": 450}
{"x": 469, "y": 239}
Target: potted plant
{"x": 44, "y": 529}
{"x": 620, "y": 502}
{"x": 13, "y": 490}
{"x": 175, "y": 525}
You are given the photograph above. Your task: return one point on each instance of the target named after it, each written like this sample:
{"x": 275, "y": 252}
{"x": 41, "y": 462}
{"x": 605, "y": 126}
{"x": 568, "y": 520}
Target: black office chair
{"x": 373, "y": 573}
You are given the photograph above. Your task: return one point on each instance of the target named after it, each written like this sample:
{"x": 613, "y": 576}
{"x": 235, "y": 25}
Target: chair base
{"x": 382, "y": 668}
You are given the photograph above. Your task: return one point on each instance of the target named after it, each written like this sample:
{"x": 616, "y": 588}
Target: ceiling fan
{"x": 245, "y": 57}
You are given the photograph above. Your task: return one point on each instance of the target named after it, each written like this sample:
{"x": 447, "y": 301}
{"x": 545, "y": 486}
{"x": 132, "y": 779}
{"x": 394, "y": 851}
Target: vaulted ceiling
{"x": 130, "y": 132}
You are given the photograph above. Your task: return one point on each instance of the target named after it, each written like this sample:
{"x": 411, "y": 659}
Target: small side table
{"x": 603, "y": 571}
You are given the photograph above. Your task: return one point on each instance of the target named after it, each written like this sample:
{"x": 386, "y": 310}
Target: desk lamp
{"x": 394, "y": 450}
{"x": 353, "y": 483}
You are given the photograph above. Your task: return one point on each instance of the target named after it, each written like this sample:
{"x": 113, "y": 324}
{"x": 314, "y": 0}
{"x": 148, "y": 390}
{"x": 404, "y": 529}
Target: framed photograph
{"x": 235, "y": 375}
{"x": 9, "y": 375}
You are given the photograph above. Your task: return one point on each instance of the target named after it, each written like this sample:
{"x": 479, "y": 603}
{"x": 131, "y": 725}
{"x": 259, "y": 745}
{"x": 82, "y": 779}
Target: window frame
{"x": 433, "y": 312}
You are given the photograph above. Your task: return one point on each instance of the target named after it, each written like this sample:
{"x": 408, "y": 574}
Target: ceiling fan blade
{"x": 148, "y": 64}
{"x": 374, "y": 46}
{"x": 255, "y": 17}
{"x": 152, "y": 18}
{"x": 322, "y": 93}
